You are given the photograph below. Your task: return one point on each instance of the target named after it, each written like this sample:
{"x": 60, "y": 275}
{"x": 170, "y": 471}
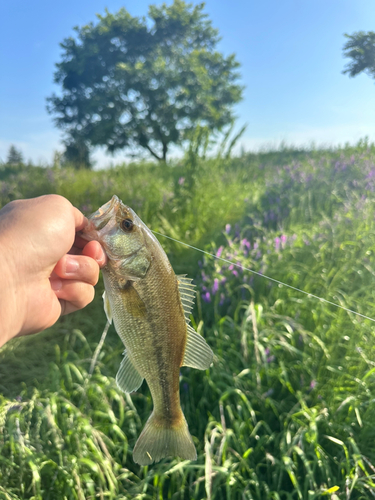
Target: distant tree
{"x": 360, "y": 48}
{"x": 77, "y": 153}
{"x": 15, "y": 156}
{"x": 129, "y": 83}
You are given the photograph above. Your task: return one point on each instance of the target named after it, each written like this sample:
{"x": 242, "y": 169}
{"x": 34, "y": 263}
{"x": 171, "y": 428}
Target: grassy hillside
{"x": 287, "y": 410}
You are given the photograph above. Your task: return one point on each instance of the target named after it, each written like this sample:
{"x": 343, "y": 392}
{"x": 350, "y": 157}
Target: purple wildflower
{"x": 283, "y": 239}
{"x": 50, "y": 175}
{"x": 204, "y": 276}
{"x": 235, "y": 273}
{"x": 245, "y": 243}
{"x": 313, "y": 384}
{"x": 227, "y": 228}
{"x": 270, "y": 359}
{"x": 231, "y": 267}
{"x": 219, "y": 251}
{"x": 206, "y": 297}
{"x": 215, "y": 287}
{"x": 277, "y": 243}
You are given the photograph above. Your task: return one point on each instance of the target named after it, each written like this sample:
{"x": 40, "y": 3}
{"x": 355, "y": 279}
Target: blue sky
{"x": 290, "y": 52}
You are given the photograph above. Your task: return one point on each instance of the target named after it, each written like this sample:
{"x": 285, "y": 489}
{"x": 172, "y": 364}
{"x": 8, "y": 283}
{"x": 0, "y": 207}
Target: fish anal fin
{"x": 128, "y": 379}
{"x": 159, "y": 440}
{"x": 198, "y": 354}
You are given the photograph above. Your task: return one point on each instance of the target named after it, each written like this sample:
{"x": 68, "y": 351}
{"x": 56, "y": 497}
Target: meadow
{"x": 287, "y": 410}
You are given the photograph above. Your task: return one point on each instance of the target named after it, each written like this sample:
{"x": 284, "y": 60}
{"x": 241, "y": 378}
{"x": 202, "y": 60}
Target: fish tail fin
{"x": 160, "y": 439}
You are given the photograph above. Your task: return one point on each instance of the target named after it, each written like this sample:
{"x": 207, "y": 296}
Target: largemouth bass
{"x": 150, "y": 308}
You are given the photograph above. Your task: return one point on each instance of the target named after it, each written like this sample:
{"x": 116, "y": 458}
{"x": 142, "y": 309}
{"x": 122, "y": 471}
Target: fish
{"x": 150, "y": 307}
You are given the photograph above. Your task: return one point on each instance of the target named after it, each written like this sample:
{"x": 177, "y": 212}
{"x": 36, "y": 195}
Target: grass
{"x": 287, "y": 409}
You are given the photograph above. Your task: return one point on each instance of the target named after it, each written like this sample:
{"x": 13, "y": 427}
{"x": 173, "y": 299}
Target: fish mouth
{"x": 100, "y": 218}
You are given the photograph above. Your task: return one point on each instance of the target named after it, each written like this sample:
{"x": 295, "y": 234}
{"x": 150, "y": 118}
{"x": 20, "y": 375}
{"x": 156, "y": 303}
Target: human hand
{"x": 46, "y": 269}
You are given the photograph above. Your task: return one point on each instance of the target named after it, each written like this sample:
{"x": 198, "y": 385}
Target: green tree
{"x": 77, "y": 153}
{"x": 15, "y": 156}
{"x": 360, "y": 48}
{"x": 129, "y": 83}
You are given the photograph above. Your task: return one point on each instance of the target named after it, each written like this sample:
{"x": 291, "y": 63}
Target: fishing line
{"x": 268, "y": 277}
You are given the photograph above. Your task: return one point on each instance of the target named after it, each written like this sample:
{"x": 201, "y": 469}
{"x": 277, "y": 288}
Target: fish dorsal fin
{"x": 198, "y": 354}
{"x": 128, "y": 379}
{"x": 187, "y": 294}
{"x": 107, "y": 307}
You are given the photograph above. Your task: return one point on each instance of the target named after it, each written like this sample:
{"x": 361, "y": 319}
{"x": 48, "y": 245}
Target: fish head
{"x": 123, "y": 236}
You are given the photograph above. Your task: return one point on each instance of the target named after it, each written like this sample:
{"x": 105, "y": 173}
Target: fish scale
{"x": 150, "y": 307}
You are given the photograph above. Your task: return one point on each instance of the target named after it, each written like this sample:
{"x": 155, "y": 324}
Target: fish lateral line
{"x": 322, "y": 299}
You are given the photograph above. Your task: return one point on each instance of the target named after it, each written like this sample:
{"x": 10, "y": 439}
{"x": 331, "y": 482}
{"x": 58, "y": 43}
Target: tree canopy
{"x": 360, "y": 48}
{"x": 129, "y": 82}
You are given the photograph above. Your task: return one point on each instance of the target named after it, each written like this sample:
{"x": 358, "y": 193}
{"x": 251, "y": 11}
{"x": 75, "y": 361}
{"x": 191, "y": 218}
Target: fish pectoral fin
{"x": 198, "y": 354}
{"x": 128, "y": 379}
{"x": 187, "y": 294}
{"x": 107, "y": 307}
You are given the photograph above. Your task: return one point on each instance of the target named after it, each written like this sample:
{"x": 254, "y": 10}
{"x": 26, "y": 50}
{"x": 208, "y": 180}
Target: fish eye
{"x": 127, "y": 225}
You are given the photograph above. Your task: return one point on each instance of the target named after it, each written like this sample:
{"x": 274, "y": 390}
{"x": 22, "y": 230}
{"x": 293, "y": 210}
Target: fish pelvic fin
{"x": 107, "y": 307}
{"x": 159, "y": 439}
{"x": 128, "y": 379}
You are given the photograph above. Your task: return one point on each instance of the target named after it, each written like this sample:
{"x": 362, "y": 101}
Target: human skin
{"x": 46, "y": 270}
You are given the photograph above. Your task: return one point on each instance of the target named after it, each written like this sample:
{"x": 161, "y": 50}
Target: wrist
{"x": 10, "y": 315}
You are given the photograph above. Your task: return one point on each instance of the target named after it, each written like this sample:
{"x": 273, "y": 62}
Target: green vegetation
{"x": 287, "y": 410}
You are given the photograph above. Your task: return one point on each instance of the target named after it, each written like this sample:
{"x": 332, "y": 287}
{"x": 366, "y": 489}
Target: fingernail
{"x": 71, "y": 265}
{"x": 99, "y": 257}
{"x": 56, "y": 284}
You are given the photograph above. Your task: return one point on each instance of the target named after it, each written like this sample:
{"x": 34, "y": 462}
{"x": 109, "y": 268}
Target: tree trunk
{"x": 165, "y": 149}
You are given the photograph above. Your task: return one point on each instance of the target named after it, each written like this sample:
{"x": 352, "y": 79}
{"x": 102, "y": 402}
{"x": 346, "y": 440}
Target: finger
{"x": 91, "y": 249}
{"x": 77, "y": 267}
{"x": 94, "y": 250}
{"x": 74, "y": 295}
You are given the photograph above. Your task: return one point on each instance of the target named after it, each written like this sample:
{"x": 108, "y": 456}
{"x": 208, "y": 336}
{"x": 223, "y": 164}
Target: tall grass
{"x": 287, "y": 409}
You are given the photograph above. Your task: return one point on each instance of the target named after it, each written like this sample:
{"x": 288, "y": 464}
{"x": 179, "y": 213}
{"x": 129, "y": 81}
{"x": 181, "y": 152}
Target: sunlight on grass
{"x": 287, "y": 409}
